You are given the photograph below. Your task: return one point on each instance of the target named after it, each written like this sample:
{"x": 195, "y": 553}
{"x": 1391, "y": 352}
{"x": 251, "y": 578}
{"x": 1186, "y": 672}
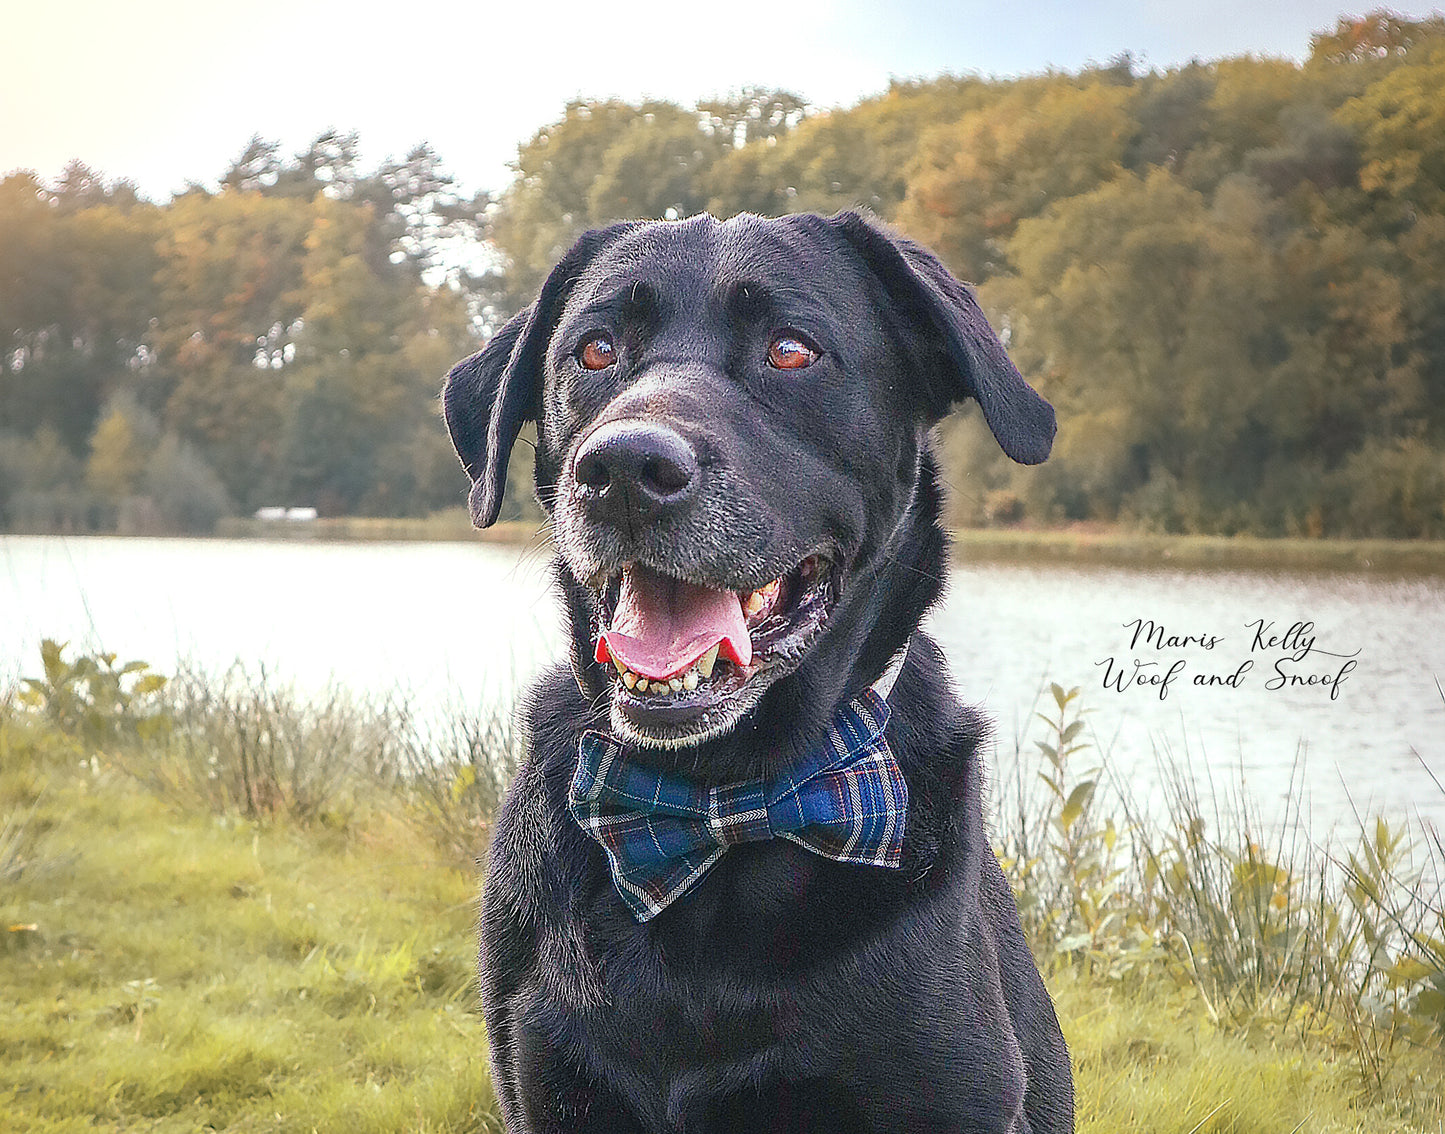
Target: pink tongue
{"x": 661, "y": 625}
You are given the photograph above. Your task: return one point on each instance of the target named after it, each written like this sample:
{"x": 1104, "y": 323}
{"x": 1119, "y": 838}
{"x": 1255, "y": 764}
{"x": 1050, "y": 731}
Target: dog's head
{"x": 732, "y": 424}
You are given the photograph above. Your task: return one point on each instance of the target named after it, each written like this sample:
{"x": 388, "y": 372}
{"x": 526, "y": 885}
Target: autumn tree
{"x": 976, "y": 179}
{"x": 1400, "y": 121}
{"x": 604, "y": 161}
{"x": 1379, "y": 35}
{"x": 76, "y": 299}
{"x": 844, "y": 158}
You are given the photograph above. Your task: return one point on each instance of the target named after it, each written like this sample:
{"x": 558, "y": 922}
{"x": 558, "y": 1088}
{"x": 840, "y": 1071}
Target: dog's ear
{"x": 470, "y": 402}
{"x": 488, "y": 397}
{"x": 978, "y": 367}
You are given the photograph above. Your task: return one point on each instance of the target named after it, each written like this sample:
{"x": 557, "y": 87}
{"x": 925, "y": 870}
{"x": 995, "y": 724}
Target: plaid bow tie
{"x": 847, "y": 801}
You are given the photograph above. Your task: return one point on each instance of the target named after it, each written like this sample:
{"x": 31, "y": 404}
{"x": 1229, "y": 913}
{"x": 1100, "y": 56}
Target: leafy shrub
{"x": 94, "y": 701}
{"x": 1074, "y": 876}
{"x": 456, "y": 779}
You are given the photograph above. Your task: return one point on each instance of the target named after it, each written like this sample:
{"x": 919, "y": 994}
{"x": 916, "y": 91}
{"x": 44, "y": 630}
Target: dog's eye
{"x": 789, "y": 351}
{"x": 597, "y": 352}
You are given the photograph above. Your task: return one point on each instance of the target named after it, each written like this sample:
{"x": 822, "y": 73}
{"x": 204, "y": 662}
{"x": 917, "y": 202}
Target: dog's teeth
{"x": 754, "y": 604}
{"x": 707, "y": 661}
{"x": 689, "y": 680}
{"x": 642, "y": 685}
{"x": 621, "y": 669}
{"x": 675, "y": 684}
{"x": 629, "y": 679}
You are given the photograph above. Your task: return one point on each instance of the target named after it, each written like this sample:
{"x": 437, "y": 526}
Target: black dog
{"x": 732, "y": 423}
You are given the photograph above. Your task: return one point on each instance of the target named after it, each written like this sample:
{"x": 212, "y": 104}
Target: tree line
{"x": 1229, "y": 277}
{"x": 278, "y": 340}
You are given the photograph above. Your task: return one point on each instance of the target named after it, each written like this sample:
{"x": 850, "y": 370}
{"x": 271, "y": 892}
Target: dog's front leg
{"x": 541, "y": 1088}
{"x": 557, "y": 1098}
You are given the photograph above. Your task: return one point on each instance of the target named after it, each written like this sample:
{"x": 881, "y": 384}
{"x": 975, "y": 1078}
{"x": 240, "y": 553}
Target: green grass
{"x": 171, "y": 971}
{"x": 1147, "y": 1058}
{"x": 194, "y": 935}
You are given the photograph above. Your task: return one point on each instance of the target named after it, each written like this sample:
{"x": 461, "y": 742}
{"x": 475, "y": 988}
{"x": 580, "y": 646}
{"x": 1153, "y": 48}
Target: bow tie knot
{"x": 738, "y": 813}
{"x": 847, "y": 800}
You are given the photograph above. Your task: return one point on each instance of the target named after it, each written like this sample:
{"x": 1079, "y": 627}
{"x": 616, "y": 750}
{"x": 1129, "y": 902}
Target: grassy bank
{"x": 1118, "y": 548}
{"x": 1164, "y": 551}
{"x": 222, "y": 909}
{"x": 440, "y": 526}
{"x": 167, "y": 970}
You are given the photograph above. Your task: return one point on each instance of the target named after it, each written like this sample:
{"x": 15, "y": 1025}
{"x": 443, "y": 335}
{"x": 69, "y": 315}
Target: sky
{"x": 166, "y": 92}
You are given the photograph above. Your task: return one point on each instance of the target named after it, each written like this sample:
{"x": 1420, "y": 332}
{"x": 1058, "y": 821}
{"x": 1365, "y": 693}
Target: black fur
{"x": 784, "y": 992}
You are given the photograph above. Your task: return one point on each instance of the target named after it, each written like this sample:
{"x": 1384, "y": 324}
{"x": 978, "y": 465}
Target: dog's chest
{"x": 716, "y": 1002}
{"x": 715, "y": 974}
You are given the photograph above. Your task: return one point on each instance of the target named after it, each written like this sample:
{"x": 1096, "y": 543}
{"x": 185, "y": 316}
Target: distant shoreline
{"x": 1113, "y": 548}
{"x": 442, "y": 527}
{"x": 1137, "y": 549}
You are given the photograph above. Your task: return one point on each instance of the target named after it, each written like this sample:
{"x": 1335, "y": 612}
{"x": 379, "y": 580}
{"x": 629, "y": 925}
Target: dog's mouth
{"x": 684, "y": 653}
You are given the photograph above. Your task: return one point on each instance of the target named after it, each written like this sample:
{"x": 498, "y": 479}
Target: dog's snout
{"x": 638, "y": 465}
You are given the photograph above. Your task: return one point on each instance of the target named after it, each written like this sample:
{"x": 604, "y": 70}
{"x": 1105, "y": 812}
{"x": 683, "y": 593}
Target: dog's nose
{"x": 640, "y": 466}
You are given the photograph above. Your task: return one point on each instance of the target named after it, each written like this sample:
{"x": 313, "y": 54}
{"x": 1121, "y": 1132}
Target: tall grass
{"x": 1263, "y": 924}
{"x": 239, "y": 743}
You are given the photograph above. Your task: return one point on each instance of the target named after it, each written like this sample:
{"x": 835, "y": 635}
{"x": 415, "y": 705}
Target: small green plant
{"x": 1383, "y": 946}
{"x": 94, "y": 701}
{"x": 16, "y": 843}
{"x": 1234, "y": 915}
{"x": 1071, "y": 871}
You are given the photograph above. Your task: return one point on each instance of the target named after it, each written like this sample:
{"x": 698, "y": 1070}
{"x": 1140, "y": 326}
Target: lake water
{"x": 1332, "y": 677}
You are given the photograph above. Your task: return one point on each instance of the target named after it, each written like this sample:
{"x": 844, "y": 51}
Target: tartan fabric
{"x": 846, "y": 801}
